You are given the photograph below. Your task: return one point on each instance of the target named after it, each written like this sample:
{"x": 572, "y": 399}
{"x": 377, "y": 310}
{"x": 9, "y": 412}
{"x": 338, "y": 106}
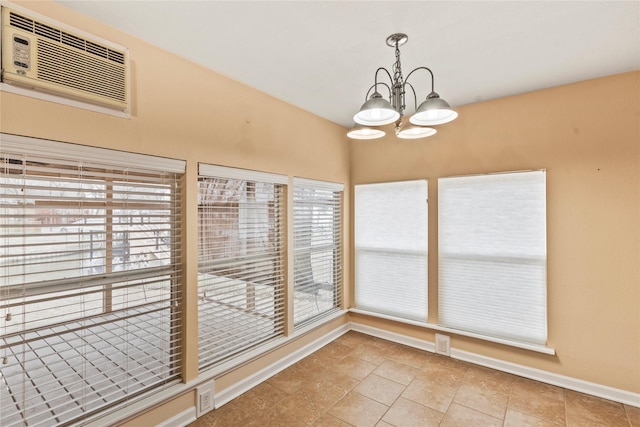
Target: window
{"x": 492, "y": 255}
{"x": 241, "y": 260}
{"x": 391, "y": 248}
{"x": 317, "y": 235}
{"x": 89, "y": 279}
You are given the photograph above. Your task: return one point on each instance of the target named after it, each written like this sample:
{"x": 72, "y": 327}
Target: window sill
{"x": 526, "y": 346}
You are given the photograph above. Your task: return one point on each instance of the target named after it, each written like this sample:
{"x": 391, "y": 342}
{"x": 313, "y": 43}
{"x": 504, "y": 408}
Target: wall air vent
{"x": 48, "y": 56}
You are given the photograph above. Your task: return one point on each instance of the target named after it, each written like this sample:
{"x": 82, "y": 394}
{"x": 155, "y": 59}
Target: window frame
{"x": 214, "y": 349}
{"x": 130, "y": 185}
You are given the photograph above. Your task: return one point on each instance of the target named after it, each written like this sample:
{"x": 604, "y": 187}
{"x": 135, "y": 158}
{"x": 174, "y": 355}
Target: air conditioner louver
{"x": 57, "y": 64}
{"x": 49, "y": 56}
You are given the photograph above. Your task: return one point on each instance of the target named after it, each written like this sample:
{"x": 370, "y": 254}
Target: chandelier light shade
{"x": 378, "y": 111}
{"x": 433, "y": 111}
{"x": 415, "y": 132}
{"x": 365, "y": 132}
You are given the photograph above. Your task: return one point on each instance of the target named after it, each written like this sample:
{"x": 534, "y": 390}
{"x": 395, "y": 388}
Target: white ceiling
{"x": 322, "y": 55}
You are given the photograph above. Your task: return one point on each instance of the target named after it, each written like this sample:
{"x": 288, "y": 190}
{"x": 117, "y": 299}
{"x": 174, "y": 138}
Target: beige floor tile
{"x": 518, "y": 419}
{"x": 482, "y": 399}
{"x": 355, "y": 339}
{"x": 385, "y": 345}
{"x": 304, "y": 406}
{"x": 335, "y": 350}
{"x": 539, "y": 400}
{"x": 544, "y": 407}
{"x": 315, "y": 361}
{"x": 380, "y": 389}
{"x": 325, "y": 391}
{"x": 398, "y": 372}
{"x": 497, "y": 381}
{"x": 384, "y": 424}
{"x": 290, "y": 380}
{"x": 312, "y": 373}
{"x": 525, "y": 387}
{"x": 259, "y": 398}
{"x": 433, "y": 395}
{"x": 587, "y": 411}
{"x": 344, "y": 382}
{"x": 633, "y": 414}
{"x": 406, "y": 413}
{"x": 371, "y": 353}
{"x": 358, "y": 410}
{"x": 354, "y": 367}
{"x": 461, "y": 416}
{"x": 441, "y": 374}
{"x": 272, "y": 419}
{"x": 227, "y": 415}
{"x": 330, "y": 421}
{"x": 274, "y": 416}
{"x": 410, "y": 356}
{"x": 448, "y": 363}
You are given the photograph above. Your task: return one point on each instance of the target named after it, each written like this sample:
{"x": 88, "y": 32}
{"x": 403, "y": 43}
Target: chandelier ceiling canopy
{"x": 379, "y": 111}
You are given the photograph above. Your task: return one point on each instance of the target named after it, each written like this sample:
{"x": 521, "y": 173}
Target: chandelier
{"x": 378, "y": 111}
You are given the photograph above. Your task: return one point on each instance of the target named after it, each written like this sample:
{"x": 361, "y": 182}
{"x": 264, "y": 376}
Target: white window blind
{"x": 391, "y": 248}
{"x": 241, "y": 261}
{"x": 89, "y": 279}
{"x": 317, "y": 235}
{"x": 492, "y": 255}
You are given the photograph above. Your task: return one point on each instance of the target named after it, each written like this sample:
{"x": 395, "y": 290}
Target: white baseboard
{"x": 181, "y": 419}
{"x": 248, "y": 383}
{"x": 394, "y": 337}
{"x": 605, "y": 392}
{"x": 570, "y": 383}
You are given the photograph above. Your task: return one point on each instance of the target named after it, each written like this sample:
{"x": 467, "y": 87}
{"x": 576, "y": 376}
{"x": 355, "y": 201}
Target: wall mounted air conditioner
{"x": 46, "y": 56}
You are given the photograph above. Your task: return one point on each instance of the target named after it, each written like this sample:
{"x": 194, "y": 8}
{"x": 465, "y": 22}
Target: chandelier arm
{"x": 415, "y": 97}
{"x": 373, "y": 87}
{"x": 390, "y": 79}
{"x": 433, "y": 82}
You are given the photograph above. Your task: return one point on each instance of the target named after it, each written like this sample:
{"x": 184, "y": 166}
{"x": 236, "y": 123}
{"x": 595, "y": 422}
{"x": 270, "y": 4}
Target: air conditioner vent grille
{"x": 76, "y": 42}
{"x": 60, "y": 65}
{"x": 47, "y": 31}
{"x": 21, "y": 22}
{"x": 71, "y": 40}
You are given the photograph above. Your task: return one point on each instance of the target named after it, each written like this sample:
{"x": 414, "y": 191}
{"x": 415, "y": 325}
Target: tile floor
{"x": 358, "y": 380}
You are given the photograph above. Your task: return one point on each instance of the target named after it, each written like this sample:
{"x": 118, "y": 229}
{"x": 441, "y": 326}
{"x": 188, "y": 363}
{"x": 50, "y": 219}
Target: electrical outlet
{"x": 443, "y": 344}
{"x": 204, "y": 399}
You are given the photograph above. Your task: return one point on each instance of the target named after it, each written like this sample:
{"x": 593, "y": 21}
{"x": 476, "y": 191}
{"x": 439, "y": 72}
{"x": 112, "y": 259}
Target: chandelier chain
{"x": 398, "y": 84}
{"x": 397, "y": 68}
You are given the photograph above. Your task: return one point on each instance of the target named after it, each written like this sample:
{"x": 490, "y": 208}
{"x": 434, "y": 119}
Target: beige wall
{"x": 586, "y": 136}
